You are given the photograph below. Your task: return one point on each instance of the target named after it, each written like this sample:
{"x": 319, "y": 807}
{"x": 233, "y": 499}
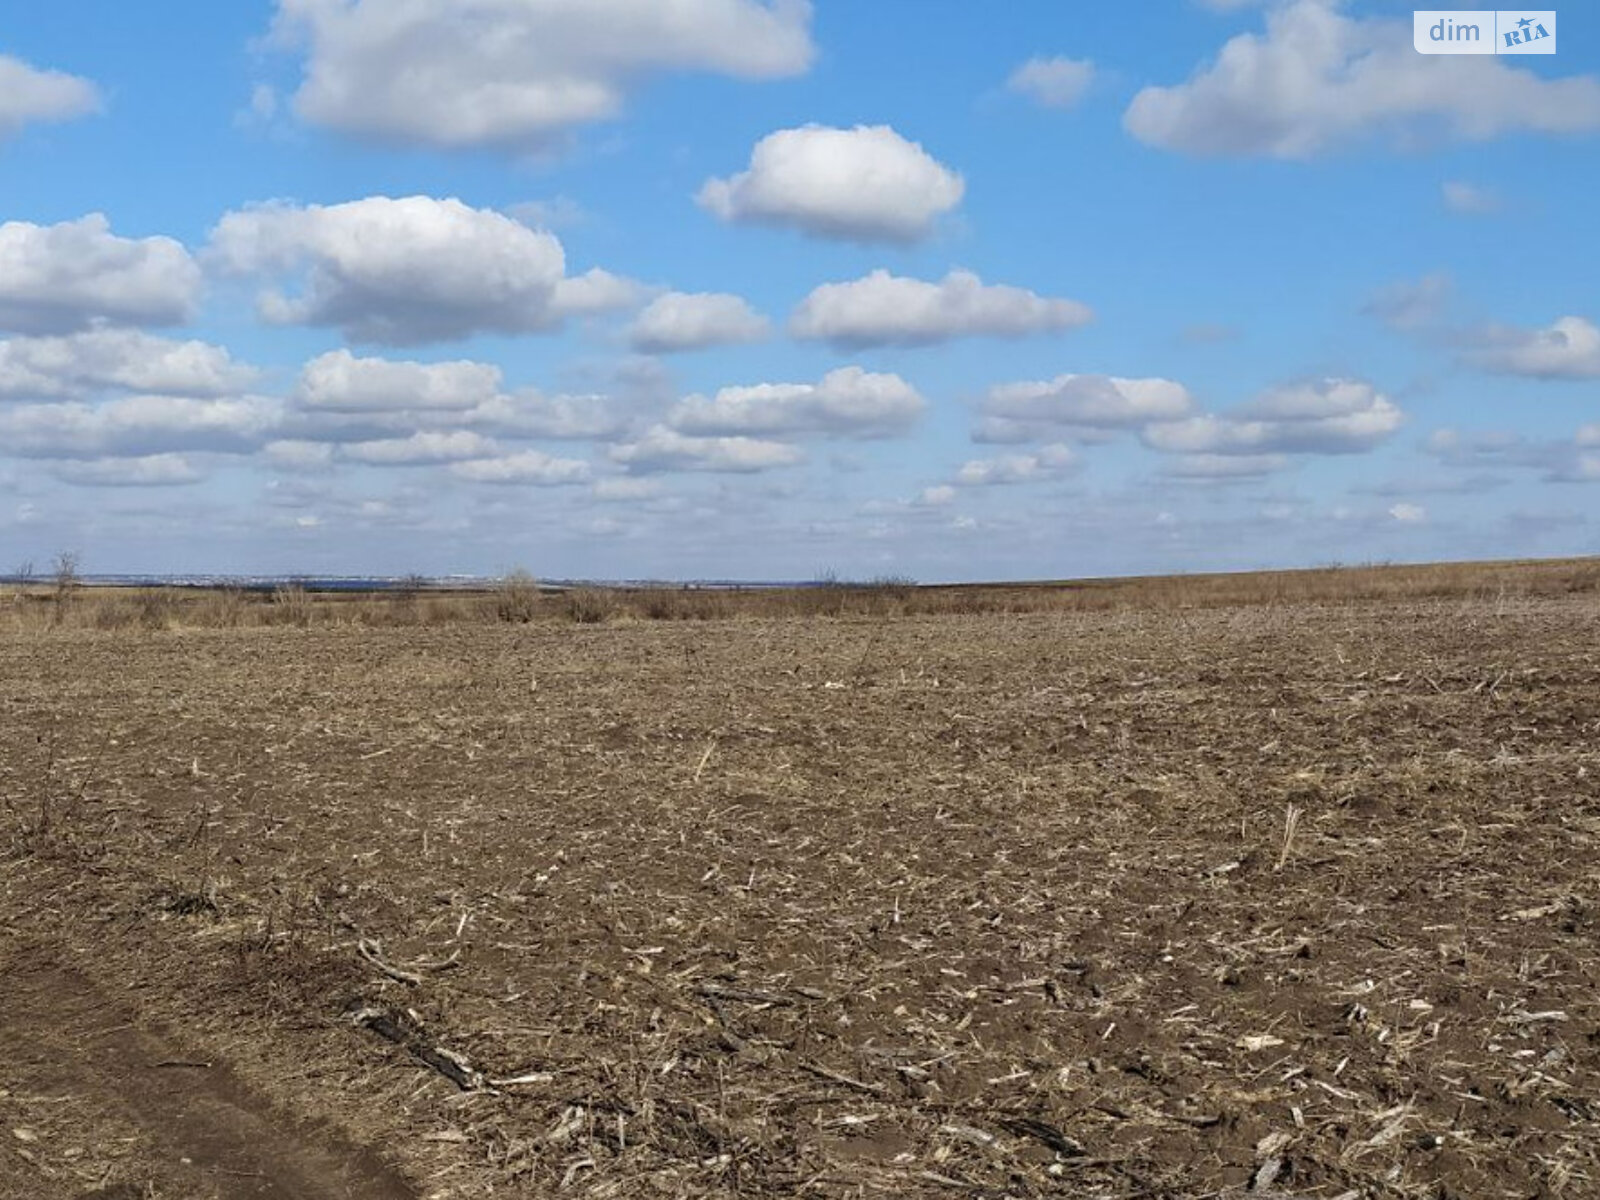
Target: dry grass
{"x": 519, "y": 599}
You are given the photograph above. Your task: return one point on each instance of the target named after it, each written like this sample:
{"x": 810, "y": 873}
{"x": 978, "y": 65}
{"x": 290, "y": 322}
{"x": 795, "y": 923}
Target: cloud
{"x": 622, "y": 489}
{"x": 864, "y": 184}
{"x": 1469, "y": 199}
{"x": 1024, "y": 410}
{"x": 664, "y": 449}
{"x": 518, "y": 75}
{"x": 936, "y": 497}
{"x": 149, "y": 470}
{"x": 695, "y": 321}
{"x": 1017, "y": 468}
{"x": 1568, "y": 349}
{"x": 29, "y": 95}
{"x": 1579, "y": 461}
{"x": 1560, "y": 460}
{"x": 527, "y": 467}
{"x": 1052, "y": 82}
{"x": 424, "y": 448}
{"x": 1409, "y": 514}
{"x": 1487, "y": 448}
{"x": 1224, "y": 466}
{"x": 558, "y": 212}
{"x": 529, "y": 414}
{"x": 70, "y": 277}
{"x": 1329, "y": 416}
{"x": 340, "y": 382}
{"x": 1317, "y": 80}
{"x": 1455, "y": 447}
{"x": 847, "y": 402}
{"x": 595, "y": 291}
{"x": 1584, "y": 468}
{"x": 410, "y": 270}
{"x": 881, "y": 309}
{"x": 1317, "y": 400}
{"x": 1410, "y": 305}
{"x": 263, "y": 105}
{"x": 71, "y": 366}
{"x": 1412, "y": 485}
{"x": 294, "y": 454}
{"x": 343, "y": 398}
{"x": 138, "y": 426}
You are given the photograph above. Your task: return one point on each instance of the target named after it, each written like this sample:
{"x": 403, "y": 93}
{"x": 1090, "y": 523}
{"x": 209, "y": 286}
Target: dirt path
{"x": 95, "y": 1106}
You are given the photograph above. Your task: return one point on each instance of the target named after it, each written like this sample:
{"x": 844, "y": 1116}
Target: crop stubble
{"x": 1125, "y": 904}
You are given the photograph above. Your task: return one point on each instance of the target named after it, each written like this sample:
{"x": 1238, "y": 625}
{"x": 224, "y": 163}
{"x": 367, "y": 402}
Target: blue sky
{"x": 725, "y": 288}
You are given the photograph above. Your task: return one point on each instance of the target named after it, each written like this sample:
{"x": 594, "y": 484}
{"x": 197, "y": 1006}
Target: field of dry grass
{"x": 519, "y": 599}
{"x": 1185, "y": 888}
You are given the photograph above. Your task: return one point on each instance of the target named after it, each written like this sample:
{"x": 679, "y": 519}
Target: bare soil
{"x": 1287, "y": 898}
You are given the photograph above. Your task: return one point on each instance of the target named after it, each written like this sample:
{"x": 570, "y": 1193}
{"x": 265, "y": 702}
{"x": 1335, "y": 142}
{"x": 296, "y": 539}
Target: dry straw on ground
{"x": 1293, "y": 896}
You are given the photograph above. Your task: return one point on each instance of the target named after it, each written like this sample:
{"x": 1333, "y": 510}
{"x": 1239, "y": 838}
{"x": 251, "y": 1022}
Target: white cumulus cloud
{"x": 149, "y": 470}
{"x": 340, "y": 382}
{"x": 297, "y": 454}
{"x": 344, "y": 398}
{"x": 1017, "y": 468}
{"x": 408, "y": 270}
{"x": 664, "y": 449}
{"x": 1330, "y": 416}
{"x": 1090, "y": 401}
{"x": 423, "y": 448}
{"x": 527, "y": 413}
{"x": 881, "y": 309}
{"x": 862, "y": 184}
{"x": 1052, "y": 82}
{"x": 695, "y": 321}
{"x": 138, "y": 426}
{"x": 527, "y": 467}
{"x": 1567, "y": 349}
{"x": 78, "y": 274}
{"x": 127, "y": 359}
{"x": 1318, "y": 79}
{"x": 29, "y": 94}
{"x": 518, "y": 74}
{"x": 845, "y": 402}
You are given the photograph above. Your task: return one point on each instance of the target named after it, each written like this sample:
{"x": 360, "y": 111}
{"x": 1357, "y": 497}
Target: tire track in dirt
{"x": 68, "y": 1042}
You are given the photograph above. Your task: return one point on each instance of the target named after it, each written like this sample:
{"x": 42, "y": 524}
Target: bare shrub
{"x": 404, "y": 605}
{"x": 884, "y": 595}
{"x": 156, "y": 609}
{"x": 516, "y": 598}
{"x": 291, "y": 605}
{"x": 110, "y": 612}
{"x": 827, "y": 596}
{"x": 588, "y": 605}
{"x": 223, "y": 608}
{"x": 67, "y": 583}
